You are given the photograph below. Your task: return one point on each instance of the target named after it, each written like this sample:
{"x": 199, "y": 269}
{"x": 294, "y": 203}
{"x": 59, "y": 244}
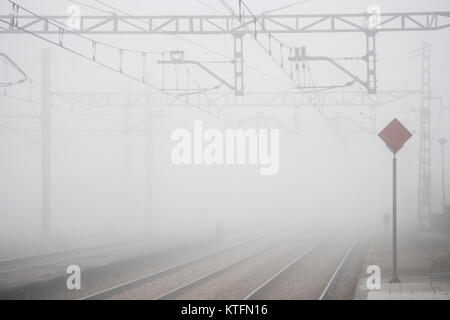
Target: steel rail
{"x": 303, "y": 255}
{"x": 325, "y": 293}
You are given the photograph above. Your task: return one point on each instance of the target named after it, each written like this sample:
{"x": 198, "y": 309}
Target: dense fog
{"x": 111, "y": 172}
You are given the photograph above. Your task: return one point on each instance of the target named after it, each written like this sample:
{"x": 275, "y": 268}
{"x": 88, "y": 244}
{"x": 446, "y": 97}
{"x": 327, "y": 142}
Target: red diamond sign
{"x": 395, "y": 135}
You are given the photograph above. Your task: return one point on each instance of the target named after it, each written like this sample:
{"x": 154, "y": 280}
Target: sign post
{"x": 394, "y": 135}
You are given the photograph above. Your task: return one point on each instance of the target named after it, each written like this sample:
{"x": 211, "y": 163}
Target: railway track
{"x": 181, "y": 267}
{"x": 264, "y": 289}
{"x": 47, "y": 258}
{"x": 203, "y": 283}
{"x": 185, "y": 287}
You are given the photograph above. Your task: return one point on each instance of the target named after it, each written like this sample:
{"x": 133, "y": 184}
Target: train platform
{"x": 423, "y": 267}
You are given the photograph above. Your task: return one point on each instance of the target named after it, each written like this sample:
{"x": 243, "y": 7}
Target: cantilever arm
{"x": 223, "y": 81}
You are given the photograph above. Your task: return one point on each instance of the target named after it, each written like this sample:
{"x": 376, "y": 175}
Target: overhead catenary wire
{"x": 243, "y": 6}
{"x": 225, "y": 117}
{"x": 208, "y": 6}
{"x": 19, "y": 133}
{"x": 219, "y": 114}
{"x": 333, "y": 86}
{"x": 181, "y": 38}
{"x": 36, "y": 116}
{"x": 227, "y": 6}
{"x": 71, "y": 108}
{"x": 91, "y": 7}
{"x": 285, "y": 48}
{"x": 73, "y": 103}
{"x": 318, "y": 107}
{"x": 290, "y": 48}
{"x": 286, "y": 6}
{"x": 282, "y": 45}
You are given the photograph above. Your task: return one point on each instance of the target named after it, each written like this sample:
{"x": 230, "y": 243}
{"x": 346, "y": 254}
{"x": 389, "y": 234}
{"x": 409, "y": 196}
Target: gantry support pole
{"x": 46, "y": 147}
{"x": 424, "y": 205}
{"x": 371, "y": 62}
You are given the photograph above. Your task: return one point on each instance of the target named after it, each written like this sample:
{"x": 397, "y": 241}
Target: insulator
{"x": 61, "y": 36}
{"x": 15, "y": 14}
{"x": 281, "y": 54}
{"x": 94, "y": 50}
{"x": 270, "y": 44}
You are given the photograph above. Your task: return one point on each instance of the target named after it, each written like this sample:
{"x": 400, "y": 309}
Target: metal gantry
{"x": 230, "y": 24}
{"x": 21, "y": 20}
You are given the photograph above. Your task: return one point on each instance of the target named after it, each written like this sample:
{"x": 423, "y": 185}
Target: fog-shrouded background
{"x": 332, "y": 172}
